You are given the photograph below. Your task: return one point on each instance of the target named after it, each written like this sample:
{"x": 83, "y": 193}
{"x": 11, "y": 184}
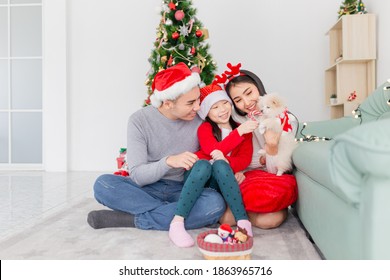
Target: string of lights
{"x": 310, "y": 138}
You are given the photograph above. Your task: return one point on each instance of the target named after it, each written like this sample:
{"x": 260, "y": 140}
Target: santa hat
{"x": 170, "y": 83}
{"x": 209, "y": 95}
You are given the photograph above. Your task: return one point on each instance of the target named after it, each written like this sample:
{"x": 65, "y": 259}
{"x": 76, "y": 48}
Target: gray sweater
{"x": 151, "y": 138}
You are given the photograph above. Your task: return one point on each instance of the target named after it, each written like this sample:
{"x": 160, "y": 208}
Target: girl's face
{"x": 245, "y": 96}
{"x": 220, "y": 112}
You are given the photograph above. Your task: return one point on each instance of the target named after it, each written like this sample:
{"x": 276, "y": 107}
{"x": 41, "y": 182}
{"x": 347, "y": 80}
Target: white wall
{"x": 381, "y": 9}
{"x": 109, "y": 43}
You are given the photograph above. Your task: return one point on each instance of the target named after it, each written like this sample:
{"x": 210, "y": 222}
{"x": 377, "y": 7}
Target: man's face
{"x": 186, "y": 105}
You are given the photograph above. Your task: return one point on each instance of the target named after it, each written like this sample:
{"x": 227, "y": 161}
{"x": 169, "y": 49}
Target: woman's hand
{"x": 240, "y": 177}
{"x": 271, "y": 141}
{"x": 184, "y": 160}
{"x": 218, "y": 155}
{"x": 247, "y": 127}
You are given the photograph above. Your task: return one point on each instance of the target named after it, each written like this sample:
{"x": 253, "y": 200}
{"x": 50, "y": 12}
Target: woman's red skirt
{"x": 264, "y": 192}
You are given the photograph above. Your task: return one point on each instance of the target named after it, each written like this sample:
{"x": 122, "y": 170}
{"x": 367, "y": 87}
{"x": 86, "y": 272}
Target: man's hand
{"x": 184, "y": 160}
{"x": 217, "y": 155}
{"x": 240, "y": 177}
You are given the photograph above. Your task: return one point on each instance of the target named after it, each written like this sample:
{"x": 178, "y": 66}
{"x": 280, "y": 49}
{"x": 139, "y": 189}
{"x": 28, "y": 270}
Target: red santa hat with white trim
{"x": 172, "y": 82}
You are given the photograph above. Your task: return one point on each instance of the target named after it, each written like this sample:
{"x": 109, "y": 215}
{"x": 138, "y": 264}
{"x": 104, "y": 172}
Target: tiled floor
{"x": 27, "y": 197}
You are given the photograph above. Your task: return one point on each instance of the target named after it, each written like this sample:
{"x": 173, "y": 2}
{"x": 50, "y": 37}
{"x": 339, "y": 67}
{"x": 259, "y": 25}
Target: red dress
{"x": 264, "y": 192}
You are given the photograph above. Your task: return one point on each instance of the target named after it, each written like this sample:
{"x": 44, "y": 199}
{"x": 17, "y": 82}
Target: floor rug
{"x": 65, "y": 235}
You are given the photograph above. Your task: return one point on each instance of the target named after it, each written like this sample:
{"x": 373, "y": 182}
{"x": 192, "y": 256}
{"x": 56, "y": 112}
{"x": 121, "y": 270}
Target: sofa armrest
{"x": 329, "y": 128}
{"x": 359, "y": 155}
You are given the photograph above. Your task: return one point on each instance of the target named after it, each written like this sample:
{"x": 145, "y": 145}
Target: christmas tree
{"x": 180, "y": 38}
{"x": 350, "y": 7}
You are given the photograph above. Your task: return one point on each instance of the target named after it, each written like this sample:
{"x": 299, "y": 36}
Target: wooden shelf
{"x": 352, "y": 46}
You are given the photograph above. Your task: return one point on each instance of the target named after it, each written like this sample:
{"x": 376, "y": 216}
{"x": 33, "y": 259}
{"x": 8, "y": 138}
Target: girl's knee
{"x": 221, "y": 167}
{"x": 202, "y": 166}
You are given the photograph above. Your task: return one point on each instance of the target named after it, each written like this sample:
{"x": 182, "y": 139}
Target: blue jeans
{"x": 154, "y": 205}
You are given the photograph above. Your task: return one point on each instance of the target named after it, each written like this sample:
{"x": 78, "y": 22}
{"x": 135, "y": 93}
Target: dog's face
{"x": 272, "y": 105}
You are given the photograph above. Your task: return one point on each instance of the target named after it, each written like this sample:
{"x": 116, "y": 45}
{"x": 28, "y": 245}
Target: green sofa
{"x": 344, "y": 184}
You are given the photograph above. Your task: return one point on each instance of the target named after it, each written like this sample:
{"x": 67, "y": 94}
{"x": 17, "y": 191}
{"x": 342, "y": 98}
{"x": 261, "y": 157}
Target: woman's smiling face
{"x": 245, "y": 96}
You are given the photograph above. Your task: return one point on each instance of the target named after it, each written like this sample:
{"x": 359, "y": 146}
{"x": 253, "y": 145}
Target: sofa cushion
{"x": 359, "y": 154}
{"x": 375, "y": 106}
{"x": 312, "y": 159}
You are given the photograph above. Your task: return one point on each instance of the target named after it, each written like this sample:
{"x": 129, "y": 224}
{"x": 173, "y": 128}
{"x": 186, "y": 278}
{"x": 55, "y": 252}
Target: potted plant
{"x": 333, "y": 99}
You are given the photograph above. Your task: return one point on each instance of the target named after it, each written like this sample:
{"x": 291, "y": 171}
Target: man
{"x": 161, "y": 141}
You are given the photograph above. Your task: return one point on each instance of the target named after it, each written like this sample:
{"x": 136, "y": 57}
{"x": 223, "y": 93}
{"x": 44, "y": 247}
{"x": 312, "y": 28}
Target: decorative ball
{"x": 181, "y": 47}
{"x": 213, "y": 238}
{"x": 193, "y": 50}
{"x": 198, "y": 33}
{"x": 179, "y": 15}
{"x": 175, "y": 35}
{"x": 195, "y": 69}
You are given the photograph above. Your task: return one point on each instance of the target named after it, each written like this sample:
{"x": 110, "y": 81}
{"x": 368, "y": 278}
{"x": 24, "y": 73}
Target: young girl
{"x": 226, "y": 150}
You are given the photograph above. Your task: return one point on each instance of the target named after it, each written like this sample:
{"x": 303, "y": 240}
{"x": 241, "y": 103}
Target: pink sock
{"x": 179, "y": 235}
{"x": 246, "y": 225}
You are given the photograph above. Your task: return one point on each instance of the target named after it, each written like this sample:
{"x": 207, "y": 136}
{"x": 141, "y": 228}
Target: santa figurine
{"x": 226, "y": 233}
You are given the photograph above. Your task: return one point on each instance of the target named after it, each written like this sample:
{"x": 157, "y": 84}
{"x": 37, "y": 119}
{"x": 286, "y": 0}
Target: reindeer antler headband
{"x": 228, "y": 75}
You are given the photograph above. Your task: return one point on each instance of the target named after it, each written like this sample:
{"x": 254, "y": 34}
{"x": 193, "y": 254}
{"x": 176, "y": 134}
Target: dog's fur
{"x": 273, "y": 106}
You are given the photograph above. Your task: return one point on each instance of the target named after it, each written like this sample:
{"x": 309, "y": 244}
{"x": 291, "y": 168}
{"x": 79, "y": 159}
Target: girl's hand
{"x": 240, "y": 177}
{"x": 218, "y": 155}
{"x": 247, "y": 127}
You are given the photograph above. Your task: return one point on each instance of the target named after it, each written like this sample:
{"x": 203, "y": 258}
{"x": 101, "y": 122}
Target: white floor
{"x": 28, "y": 197}
{"x": 43, "y": 216}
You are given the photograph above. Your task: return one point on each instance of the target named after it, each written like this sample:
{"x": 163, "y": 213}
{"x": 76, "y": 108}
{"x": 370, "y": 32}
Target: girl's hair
{"x": 217, "y": 131}
{"x": 248, "y": 77}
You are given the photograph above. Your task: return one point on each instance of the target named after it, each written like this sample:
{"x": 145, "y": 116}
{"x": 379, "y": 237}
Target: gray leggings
{"x": 218, "y": 176}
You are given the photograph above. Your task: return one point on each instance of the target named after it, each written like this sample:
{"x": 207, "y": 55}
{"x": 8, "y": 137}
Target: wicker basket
{"x": 214, "y": 251}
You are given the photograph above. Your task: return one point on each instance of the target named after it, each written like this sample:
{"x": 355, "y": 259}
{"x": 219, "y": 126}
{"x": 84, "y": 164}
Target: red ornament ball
{"x": 175, "y": 35}
{"x": 195, "y": 69}
{"x": 198, "y": 33}
{"x": 179, "y": 15}
{"x": 193, "y": 50}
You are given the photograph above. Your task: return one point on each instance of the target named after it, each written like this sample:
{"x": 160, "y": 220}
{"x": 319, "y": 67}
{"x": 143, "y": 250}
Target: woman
{"x": 266, "y": 196}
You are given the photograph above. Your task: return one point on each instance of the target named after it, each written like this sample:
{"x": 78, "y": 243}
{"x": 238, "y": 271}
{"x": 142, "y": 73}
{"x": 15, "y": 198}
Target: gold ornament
{"x": 205, "y": 33}
{"x": 164, "y": 59}
{"x": 201, "y": 61}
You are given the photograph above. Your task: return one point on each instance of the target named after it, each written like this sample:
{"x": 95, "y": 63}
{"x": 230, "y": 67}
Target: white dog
{"x": 274, "y": 116}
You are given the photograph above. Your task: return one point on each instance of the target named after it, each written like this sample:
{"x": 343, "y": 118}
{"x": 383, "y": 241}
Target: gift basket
{"x": 228, "y": 245}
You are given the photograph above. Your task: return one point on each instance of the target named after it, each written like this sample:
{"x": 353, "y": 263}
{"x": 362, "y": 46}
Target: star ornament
{"x": 172, "y": 6}
{"x": 183, "y": 30}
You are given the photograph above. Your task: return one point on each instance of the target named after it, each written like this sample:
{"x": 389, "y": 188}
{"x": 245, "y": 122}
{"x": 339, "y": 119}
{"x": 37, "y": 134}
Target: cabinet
{"x": 352, "y": 47}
